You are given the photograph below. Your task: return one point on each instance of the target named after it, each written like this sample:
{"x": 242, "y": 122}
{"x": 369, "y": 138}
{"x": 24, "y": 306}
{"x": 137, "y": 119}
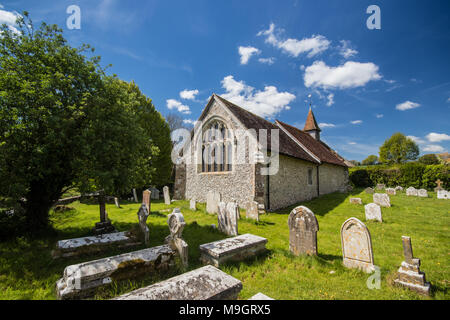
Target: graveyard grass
{"x": 27, "y": 270}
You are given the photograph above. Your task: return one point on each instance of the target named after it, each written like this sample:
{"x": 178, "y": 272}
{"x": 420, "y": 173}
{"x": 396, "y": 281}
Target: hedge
{"x": 411, "y": 174}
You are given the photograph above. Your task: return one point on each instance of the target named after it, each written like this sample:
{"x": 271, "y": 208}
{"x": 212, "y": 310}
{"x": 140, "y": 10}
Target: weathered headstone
{"x": 409, "y": 274}
{"x": 143, "y": 214}
{"x": 438, "y": 183}
{"x": 166, "y": 195}
{"x": 135, "y": 196}
{"x": 104, "y": 226}
{"x": 373, "y": 212}
{"x": 369, "y": 190}
{"x": 411, "y": 191}
{"x": 193, "y": 205}
{"x": 205, "y": 283}
{"x": 382, "y": 199}
{"x": 146, "y": 196}
{"x": 391, "y": 191}
{"x": 116, "y": 202}
{"x": 260, "y": 296}
{"x": 227, "y": 217}
{"x": 252, "y": 211}
{"x": 443, "y": 194}
{"x": 357, "y": 245}
{"x": 356, "y": 201}
{"x": 422, "y": 193}
{"x": 175, "y": 239}
{"x": 380, "y": 186}
{"x": 155, "y": 193}
{"x": 398, "y": 188}
{"x": 303, "y": 227}
{"x": 212, "y": 201}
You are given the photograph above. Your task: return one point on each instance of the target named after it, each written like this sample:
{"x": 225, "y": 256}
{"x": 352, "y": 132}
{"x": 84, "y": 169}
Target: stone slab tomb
{"x": 356, "y": 201}
{"x": 303, "y": 227}
{"x": 232, "y": 249}
{"x": 205, "y": 283}
{"x": 373, "y": 212}
{"x": 391, "y": 191}
{"x": 213, "y": 199}
{"x": 227, "y": 218}
{"x": 422, "y": 193}
{"x": 252, "y": 211}
{"x": 443, "y": 194}
{"x": 411, "y": 191}
{"x": 409, "y": 274}
{"x": 166, "y": 195}
{"x": 357, "y": 245}
{"x": 382, "y": 199}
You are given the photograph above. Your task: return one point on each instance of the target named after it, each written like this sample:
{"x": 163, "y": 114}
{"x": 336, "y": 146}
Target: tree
{"x": 356, "y": 163}
{"x": 175, "y": 121}
{"x": 430, "y": 158}
{"x": 398, "y": 149}
{"x": 370, "y": 160}
{"x": 64, "y": 123}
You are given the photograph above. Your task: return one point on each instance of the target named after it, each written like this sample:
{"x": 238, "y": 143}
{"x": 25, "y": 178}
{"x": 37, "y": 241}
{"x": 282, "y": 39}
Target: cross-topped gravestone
{"x": 143, "y": 214}
{"x": 176, "y": 224}
{"x": 438, "y": 183}
{"x": 303, "y": 227}
{"x": 104, "y": 226}
{"x": 146, "y": 196}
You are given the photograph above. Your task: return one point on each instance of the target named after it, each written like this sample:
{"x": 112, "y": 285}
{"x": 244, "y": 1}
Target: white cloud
{"x": 437, "y": 137}
{"x": 190, "y": 121}
{"x": 349, "y": 75}
{"x": 313, "y": 46}
{"x": 379, "y": 115}
{"x": 356, "y": 122}
{"x": 416, "y": 139}
{"x": 246, "y": 53}
{"x": 433, "y": 148}
{"x": 188, "y": 94}
{"x": 264, "y": 103}
{"x": 407, "y": 105}
{"x": 1, "y": 6}
{"x": 352, "y": 143}
{"x": 346, "y": 49}
{"x": 330, "y": 99}
{"x": 9, "y": 18}
{"x": 172, "y": 103}
{"x": 448, "y": 100}
{"x": 268, "y": 61}
{"x": 326, "y": 125}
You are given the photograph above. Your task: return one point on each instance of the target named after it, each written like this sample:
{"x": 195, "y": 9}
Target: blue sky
{"x": 268, "y": 56}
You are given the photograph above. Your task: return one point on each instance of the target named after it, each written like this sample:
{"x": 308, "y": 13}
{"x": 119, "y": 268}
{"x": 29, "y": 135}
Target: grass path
{"x": 28, "y": 272}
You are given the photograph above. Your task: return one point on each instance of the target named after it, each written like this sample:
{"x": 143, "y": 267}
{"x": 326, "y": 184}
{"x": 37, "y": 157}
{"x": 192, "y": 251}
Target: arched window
{"x": 216, "y": 148}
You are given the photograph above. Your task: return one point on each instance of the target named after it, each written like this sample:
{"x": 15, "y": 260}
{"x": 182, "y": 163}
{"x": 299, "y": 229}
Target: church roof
{"x": 311, "y": 123}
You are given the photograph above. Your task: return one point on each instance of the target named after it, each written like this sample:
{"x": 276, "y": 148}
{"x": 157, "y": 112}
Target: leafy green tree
{"x": 398, "y": 149}
{"x": 370, "y": 160}
{"x": 430, "y": 158}
{"x": 64, "y": 123}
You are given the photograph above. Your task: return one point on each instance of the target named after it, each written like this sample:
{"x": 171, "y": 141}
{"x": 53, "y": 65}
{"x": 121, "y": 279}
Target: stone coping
{"x": 228, "y": 246}
{"x": 107, "y": 238}
{"x": 205, "y": 283}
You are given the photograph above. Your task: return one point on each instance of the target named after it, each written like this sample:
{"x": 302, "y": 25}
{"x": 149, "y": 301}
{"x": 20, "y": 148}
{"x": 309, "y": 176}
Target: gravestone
{"x": 356, "y": 201}
{"x": 357, "y": 245}
{"x": 193, "y": 205}
{"x": 166, "y": 195}
{"x": 398, "y": 188}
{"x": 369, "y": 190}
{"x": 135, "y": 196}
{"x": 205, "y": 283}
{"x": 104, "y": 226}
{"x": 443, "y": 194}
{"x": 391, "y": 191}
{"x": 143, "y": 214}
{"x": 155, "y": 193}
{"x": 438, "y": 183}
{"x": 409, "y": 274}
{"x": 260, "y": 296}
{"x": 212, "y": 201}
{"x": 380, "y": 186}
{"x": 422, "y": 193}
{"x": 175, "y": 240}
{"x": 411, "y": 191}
{"x": 303, "y": 227}
{"x": 382, "y": 199}
{"x": 373, "y": 212}
{"x": 252, "y": 211}
{"x": 146, "y": 196}
{"x": 227, "y": 217}
{"x": 116, "y": 202}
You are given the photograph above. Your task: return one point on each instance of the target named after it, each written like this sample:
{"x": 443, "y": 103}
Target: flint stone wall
{"x": 205, "y": 283}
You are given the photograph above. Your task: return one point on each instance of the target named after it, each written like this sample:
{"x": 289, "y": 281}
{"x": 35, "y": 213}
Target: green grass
{"x": 28, "y": 272}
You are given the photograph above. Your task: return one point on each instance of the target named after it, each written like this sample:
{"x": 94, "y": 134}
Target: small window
{"x": 310, "y": 176}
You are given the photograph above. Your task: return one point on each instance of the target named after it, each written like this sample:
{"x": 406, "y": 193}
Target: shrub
{"x": 360, "y": 178}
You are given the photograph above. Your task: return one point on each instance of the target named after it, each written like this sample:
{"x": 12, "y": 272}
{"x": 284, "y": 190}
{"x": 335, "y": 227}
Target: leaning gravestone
{"x": 205, "y": 283}
{"x": 116, "y": 202}
{"x": 193, "y": 205}
{"x": 411, "y": 191}
{"x": 382, "y": 199}
{"x": 380, "y": 186}
{"x": 369, "y": 190}
{"x": 357, "y": 245}
{"x": 252, "y": 211}
{"x": 443, "y": 194}
{"x": 227, "y": 217}
{"x": 166, "y": 195}
{"x": 391, "y": 191}
{"x": 303, "y": 227}
{"x": 373, "y": 212}
{"x": 176, "y": 224}
{"x": 212, "y": 201}
{"x": 422, "y": 193}
{"x": 146, "y": 196}
{"x": 409, "y": 274}
{"x": 356, "y": 201}
{"x": 143, "y": 214}
{"x": 135, "y": 195}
